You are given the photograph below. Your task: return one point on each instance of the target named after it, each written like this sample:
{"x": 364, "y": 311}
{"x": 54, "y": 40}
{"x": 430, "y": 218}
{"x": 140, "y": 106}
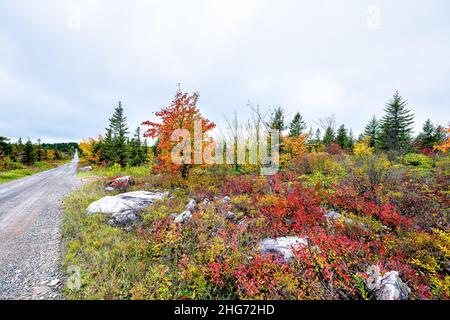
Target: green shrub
{"x": 418, "y": 160}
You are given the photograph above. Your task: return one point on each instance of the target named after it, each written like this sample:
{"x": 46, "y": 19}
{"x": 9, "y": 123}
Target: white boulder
{"x": 135, "y": 201}
{"x": 388, "y": 287}
{"x": 283, "y": 246}
{"x": 124, "y": 208}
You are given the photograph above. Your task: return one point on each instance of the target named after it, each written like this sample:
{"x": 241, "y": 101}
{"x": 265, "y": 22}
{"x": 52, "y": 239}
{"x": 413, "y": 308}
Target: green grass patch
{"x": 24, "y": 171}
{"x": 116, "y": 170}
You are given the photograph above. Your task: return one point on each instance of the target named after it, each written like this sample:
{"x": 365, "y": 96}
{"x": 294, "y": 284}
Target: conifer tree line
{"x": 391, "y": 133}
{"x": 29, "y": 153}
{"x": 116, "y": 147}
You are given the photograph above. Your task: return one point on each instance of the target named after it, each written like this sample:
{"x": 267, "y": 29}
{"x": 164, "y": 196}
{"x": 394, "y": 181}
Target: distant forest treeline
{"x": 28, "y": 153}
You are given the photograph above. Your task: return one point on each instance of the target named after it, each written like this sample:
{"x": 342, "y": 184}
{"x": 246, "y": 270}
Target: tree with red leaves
{"x": 181, "y": 114}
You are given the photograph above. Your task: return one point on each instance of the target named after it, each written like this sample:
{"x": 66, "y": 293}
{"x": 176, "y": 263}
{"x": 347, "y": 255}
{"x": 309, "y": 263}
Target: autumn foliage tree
{"x": 182, "y": 114}
{"x": 445, "y": 145}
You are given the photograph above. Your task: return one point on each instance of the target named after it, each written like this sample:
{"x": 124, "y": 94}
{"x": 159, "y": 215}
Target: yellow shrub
{"x": 362, "y": 148}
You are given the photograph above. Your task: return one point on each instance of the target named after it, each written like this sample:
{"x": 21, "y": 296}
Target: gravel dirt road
{"x": 30, "y": 239}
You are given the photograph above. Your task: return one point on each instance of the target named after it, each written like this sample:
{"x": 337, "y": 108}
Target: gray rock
{"x": 183, "y": 217}
{"x": 206, "y": 203}
{"x": 226, "y": 200}
{"x": 86, "y": 169}
{"x": 137, "y": 200}
{"x": 392, "y": 288}
{"x": 282, "y": 246}
{"x": 231, "y": 216}
{"x": 373, "y": 281}
{"x": 192, "y": 204}
{"x": 388, "y": 287}
{"x": 123, "y": 219}
{"x": 333, "y": 215}
{"x": 124, "y": 209}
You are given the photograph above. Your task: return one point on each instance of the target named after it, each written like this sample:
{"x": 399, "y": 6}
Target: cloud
{"x": 316, "y": 57}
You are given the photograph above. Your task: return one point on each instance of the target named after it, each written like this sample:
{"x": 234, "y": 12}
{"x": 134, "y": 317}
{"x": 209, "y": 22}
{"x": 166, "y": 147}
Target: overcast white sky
{"x": 61, "y": 74}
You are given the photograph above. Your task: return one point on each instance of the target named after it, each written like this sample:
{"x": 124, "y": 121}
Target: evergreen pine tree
{"x": 297, "y": 126}
{"x": 396, "y": 125}
{"x": 29, "y": 156}
{"x": 138, "y": 152}
{"x": 318, "y": 136}
{"x": 429, "y": 135}
{"x": 119, "y": 131}
{"x": 350, "y": 140}
{"x": 329, "y": 136}
{"x": 107, "y": 151}
{"x": 5, "y": 147}
{"x": 372, "y": 131}
{"x": 39, "y": 150}
{"x": 342, "y": 138}
{"x": 277, "y": 120}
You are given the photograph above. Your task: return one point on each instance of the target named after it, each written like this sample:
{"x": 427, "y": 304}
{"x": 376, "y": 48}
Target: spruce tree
{"x": 119, "y": 131}
{"x": 277, "y": 120}
{"x": 5, "y": 147}
{"x": 39, "y": 150}
{"x": 342, "y": 137}
{"x": 350, "y": 140}
{"x": 29, "y": 156}
{"x": 329, "y": 136}
{"x": 297, "y": 126}
{"x": 429, "y": 135}
{"x": 372, "y": 131}
{"x": 318, "y": 136}
{"x": 138, "y": 152}
{"x": 396, "y": 125}
{"x": 107, "y": 151}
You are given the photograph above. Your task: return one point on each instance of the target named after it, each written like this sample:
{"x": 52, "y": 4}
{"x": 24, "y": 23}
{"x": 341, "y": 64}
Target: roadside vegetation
{"x": 391, "y": 191}
{"x": 18, "y": 160}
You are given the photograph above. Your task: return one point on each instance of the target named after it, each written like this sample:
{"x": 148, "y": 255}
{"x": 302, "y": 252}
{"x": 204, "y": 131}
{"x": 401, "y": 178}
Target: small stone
{"x": 226, "y": 200}
{"x": 192, "y": 204}
{"x": 183, "y": 217}
{"x": 54, "y": 282}
{"x": 173, "y": 216}
{"x": 231, "y": 215}
{"x": 206, "y": 203}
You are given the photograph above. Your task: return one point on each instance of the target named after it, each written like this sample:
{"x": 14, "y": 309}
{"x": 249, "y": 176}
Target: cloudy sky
{"x": 65, "y": 64}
